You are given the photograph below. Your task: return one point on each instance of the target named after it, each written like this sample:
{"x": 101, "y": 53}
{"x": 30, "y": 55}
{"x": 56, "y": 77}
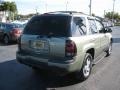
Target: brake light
{"x": 16, "y": 31}
{"x": 70, "y": 48}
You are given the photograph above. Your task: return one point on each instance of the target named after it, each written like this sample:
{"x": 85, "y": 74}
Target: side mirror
{"x": 108, "y": 30}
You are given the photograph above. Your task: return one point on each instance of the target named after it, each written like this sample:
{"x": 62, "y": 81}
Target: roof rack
{"x": 66, "y": 12}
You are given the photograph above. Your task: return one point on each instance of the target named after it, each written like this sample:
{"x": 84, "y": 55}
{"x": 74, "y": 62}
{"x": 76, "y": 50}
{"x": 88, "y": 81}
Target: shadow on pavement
{"x": 15, "y": 76}
{"x": 12, "y": 43}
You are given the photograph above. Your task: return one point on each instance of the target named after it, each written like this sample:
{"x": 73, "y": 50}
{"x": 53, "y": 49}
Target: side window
{"x": 99, "y": 26}
{"x": 9, "y": 27}
{"x": 3, "y": 26}
{"x": 92, "y": 26}
{"x": 79, "y": 26}
{"x": 0, "y": 25}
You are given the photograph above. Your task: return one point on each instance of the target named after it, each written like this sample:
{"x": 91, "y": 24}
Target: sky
{"x": 42, "y": 6}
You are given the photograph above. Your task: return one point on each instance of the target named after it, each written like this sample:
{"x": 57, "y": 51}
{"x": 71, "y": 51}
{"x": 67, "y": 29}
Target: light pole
{"x": 104, "y": 13}
{"x": 113, "y": 11}
{"x": 66, "y": 5}
{"x": 36, "y": 10}
{"x": 90, "y": 5}
{"x": 46, "y": 5}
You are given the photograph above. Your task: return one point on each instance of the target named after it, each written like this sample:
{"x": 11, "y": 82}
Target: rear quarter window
{"x": 79, "y": 26}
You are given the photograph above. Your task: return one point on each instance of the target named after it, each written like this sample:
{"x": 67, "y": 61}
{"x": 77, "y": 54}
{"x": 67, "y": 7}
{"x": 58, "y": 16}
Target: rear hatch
{"x": 45, "y": 36}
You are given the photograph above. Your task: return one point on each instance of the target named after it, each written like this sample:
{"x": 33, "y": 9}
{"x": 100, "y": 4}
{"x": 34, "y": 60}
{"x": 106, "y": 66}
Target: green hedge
{"x": 117, "y": 24}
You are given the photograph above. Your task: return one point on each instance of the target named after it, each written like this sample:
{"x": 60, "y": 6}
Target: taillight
{"x": 16, "y": 31}
{"x": 70, "y": 49}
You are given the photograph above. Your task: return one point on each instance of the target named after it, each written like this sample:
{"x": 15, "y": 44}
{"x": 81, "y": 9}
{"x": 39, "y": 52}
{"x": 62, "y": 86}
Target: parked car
{"x": 10, "y": 32}
{"x": 108, "y": 23}
{"x": 22, "y": 23}
{"x": 64, "y": 42}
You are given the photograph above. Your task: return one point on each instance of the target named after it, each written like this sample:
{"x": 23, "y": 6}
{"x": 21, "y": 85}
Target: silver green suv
{"x": 64, "y": 42}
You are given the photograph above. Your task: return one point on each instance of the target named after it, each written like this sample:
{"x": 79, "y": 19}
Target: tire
{"x": 109, "y": 51}
{"x": 6, "y": 40}
{"x": 85, "y": 71}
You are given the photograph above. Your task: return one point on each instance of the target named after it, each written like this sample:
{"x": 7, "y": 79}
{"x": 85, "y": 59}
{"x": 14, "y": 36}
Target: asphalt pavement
{"x": 14, "y": 76}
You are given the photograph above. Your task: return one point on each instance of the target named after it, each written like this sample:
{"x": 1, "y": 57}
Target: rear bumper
{"x": 15, "y": 37}
{"x": 59, "y": 68}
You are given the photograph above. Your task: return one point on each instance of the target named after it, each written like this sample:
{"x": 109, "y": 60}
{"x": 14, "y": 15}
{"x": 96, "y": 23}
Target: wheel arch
{"x": 91, "y": 51}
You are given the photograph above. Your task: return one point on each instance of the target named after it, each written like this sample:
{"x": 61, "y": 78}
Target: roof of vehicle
{"x": 6, "y": 23}
{"x": 66, "y": 13}
{"x": 13, "y": 25}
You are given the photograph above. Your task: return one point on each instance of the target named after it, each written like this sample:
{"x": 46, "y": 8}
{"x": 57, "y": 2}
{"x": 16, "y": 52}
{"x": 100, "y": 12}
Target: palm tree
{"x": 6, "y": 7}
{"x": 2, "y": 9}
{"x": 9, "y": 8}
{"x": 12, "y": 9}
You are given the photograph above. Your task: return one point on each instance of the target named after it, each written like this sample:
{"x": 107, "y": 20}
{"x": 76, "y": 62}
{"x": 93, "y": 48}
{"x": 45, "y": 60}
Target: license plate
{"x": 38, "y": 45}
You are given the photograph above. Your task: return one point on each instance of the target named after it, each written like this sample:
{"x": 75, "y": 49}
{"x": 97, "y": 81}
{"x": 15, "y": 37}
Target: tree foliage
{"x": 111, "y": 15}
{"x": 12, "y": 7}
{"x": 8, "y": 7}
{"x": 1, "y": 7}
{"x": 26, "y": 16}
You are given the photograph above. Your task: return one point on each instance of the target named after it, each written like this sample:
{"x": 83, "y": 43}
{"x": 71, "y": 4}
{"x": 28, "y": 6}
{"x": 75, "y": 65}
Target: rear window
{"x": 17, "y": 25}
{"x": 11, "y": 26}
{"x": 49, "y": 25}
